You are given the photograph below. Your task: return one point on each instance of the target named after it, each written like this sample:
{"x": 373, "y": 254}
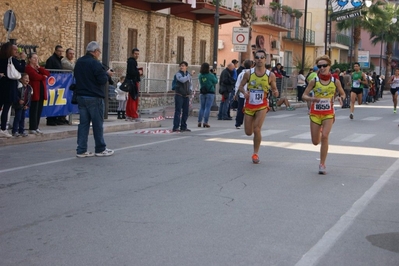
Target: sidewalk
{"x": 112, "y": 124}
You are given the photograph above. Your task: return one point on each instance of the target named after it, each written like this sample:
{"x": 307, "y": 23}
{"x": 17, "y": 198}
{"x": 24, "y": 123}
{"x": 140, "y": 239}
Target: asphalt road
{"x": 197, "y": 199}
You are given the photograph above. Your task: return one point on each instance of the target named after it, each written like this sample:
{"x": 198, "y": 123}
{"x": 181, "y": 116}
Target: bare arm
{"x": 306, "y": 96}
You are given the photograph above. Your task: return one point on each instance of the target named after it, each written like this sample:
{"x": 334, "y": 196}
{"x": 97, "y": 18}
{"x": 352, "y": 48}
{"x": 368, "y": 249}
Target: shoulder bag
{"x": 126, "y": 85}
{"x": 12, "y": 73}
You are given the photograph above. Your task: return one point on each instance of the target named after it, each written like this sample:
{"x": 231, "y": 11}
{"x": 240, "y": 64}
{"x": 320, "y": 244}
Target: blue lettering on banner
{"x": 59, "y": 96}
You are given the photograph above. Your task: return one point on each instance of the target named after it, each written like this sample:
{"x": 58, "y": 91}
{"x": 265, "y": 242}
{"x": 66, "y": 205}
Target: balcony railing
{"x": 274, "y": 16}
{"x": 297, "y": 35}
{"x": 341, "y": 39}
{"x": 228, "y": 4}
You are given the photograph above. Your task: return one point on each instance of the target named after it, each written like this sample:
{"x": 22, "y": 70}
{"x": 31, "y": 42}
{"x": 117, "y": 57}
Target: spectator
{"x": 91, "y": 79}
{"x": 52, "y": 63}
{"x": 183, "y": 91}
{"x": 68, "y": 62}
{"x": 133, "y": 74}
{"x": 226, "y": 85}
{"x": 37, "y": 79}
{"x": 8, "y": 87}
{"x": 301, "y": 85}
{"x": 121, "y": 97}
{"x": 207, "y": 80}
{"x": 240, "y": 96}
{"x": 21, "y": 104}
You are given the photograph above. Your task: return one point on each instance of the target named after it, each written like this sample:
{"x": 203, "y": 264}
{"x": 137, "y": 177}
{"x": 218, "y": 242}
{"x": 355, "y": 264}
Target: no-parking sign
{"x": 240, "y": 35}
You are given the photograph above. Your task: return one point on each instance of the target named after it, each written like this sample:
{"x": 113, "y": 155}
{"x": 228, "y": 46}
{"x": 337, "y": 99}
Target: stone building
{"x": 165, "y": 31}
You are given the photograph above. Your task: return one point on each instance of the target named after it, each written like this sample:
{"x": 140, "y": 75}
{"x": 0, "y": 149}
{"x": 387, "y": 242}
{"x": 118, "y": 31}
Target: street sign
{"x": 364, "y": 59}
{"x": 240, "y": 35}
{"x": 240, "y": 48}
{"x": 364, "y": 64}
{"x": 9, "y": 20}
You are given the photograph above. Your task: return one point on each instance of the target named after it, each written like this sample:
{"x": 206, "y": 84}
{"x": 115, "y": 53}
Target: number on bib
{"x": 256, "y": 97}
{"x": 322, "y": 105}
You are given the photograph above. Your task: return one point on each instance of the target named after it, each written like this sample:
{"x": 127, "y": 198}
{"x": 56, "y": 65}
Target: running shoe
{"x": 255, "y": 158}
{"x": 351, "y": 116}
{"x": 322, "y": 169}
{"x": 394, "y": 111}
{"x": 85, "y": 154}
{"x": 106, "y": 152}
{"x": 4, "y": 133}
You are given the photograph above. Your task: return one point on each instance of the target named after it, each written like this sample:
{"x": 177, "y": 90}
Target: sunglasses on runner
{"x": 324, "y": 65}
{"x": 259, "y": 57}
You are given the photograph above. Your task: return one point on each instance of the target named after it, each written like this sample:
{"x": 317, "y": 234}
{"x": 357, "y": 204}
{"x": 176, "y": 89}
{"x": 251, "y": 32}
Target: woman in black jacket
{"x": 8, "y": 87}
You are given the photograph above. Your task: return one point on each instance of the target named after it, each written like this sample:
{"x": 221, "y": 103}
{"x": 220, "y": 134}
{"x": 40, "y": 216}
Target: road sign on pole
{"x": 240, "y": 35}
{"x": 9, "y": 22}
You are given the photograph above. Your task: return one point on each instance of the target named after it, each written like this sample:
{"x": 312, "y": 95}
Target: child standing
{"x": 121, "y": 96}
{"x": 20, "y": 105}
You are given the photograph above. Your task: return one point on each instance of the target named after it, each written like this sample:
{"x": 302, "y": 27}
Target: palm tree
{"x": 381, "y": 23}
{"x": 246, "y": 21}
{"x": 356, "y": 23}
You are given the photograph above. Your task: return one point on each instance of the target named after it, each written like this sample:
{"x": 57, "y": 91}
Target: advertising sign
{"x": 345, "y": 9}
{"x": 59, "y": 96}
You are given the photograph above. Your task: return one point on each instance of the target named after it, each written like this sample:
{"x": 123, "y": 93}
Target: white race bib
{"x": 256, "y": 97}
{"x": 323, "y": 105}
{"x": 356, "y": 84}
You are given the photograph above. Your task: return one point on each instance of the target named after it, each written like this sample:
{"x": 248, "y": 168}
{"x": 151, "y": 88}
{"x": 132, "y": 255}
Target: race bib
{"x": 322, "y": 105}
{"x": 356, "y": 84}
{"x": 256, "y": 97}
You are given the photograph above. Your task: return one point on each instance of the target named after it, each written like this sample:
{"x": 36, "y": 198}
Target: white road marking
{"x": 270, "y": 132}
{"x": 332, "y": 149}
{"x": 331, "y": 237}
{"x": 305, "y": 135}
{"x": 358, "y": 137}
{"x": 74, "y": 158}
{"x": 372, "y": 118}
{"x": 395, "y": 141}
{"x": 219, "y": 132}
{"x": 279, "y": 116}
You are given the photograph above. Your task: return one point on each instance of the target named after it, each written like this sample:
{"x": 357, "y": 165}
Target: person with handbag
{"x": 10, "y": 60}
{"x": 37, "y": 79}
{"x": 133, "y": 75}
{"x": 207, "y": 81}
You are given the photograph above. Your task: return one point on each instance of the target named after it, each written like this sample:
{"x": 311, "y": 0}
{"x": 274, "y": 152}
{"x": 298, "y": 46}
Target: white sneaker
{"x": 39, "y": 131}
{"x": 85, "y": 154}
{"x": 33, "y": 132}
{"x": 106, "y": 152}
{"x": 4, "y": 133}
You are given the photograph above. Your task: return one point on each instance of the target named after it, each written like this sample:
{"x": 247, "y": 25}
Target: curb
{"x": 62, "y": 132}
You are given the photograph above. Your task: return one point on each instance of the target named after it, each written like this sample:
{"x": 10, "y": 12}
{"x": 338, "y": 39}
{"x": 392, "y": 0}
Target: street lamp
{"x": 304, "y": 35}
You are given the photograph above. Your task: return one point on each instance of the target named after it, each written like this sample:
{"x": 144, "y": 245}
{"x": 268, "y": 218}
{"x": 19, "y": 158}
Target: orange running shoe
{"x": 255, "y": 158}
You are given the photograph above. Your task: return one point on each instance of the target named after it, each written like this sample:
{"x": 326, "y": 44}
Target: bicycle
{"x": 272, "y": 101}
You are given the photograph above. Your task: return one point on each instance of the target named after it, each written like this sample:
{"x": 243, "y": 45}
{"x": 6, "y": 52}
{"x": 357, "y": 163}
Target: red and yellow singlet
{"x": 258, "y": 88}
{"x": 326, "y": 95}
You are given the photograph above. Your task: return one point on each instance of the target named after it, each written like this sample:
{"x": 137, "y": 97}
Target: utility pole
{"x": 304, "y": 35}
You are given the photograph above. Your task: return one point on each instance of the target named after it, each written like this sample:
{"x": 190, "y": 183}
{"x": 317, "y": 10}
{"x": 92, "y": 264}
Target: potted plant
{"x": 297, "y": 13}
{"x": 274, "y": 5}
{"x": 266, "y": 18}
{"x": 287, "y": 9}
